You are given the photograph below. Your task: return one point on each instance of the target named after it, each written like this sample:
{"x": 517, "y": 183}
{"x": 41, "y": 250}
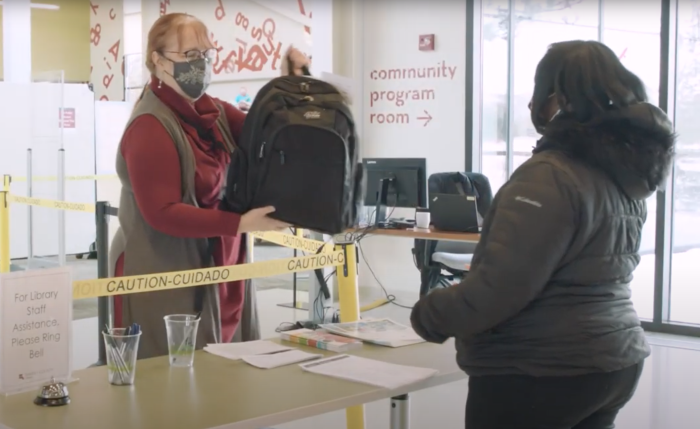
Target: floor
{"x": 666, "y": 397}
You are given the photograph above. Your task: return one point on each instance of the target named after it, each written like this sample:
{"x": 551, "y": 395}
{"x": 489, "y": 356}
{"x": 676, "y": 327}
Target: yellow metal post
{"x": 5, "y": 226}
{"x": 349, "y": 297}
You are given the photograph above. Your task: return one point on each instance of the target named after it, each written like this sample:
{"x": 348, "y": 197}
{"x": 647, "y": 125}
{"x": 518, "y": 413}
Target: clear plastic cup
{"x": 122, "y": 350}
{"x": 182, "y": 338}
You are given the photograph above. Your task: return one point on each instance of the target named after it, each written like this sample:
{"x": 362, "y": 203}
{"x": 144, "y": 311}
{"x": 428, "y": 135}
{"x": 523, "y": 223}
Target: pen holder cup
{"x": 122, "y": 350}
{"x": 182, "y": 338}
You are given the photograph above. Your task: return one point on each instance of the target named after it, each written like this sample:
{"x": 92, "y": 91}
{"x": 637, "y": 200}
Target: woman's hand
{"x": 420, "y": 321}
{"x": 258, "y": 220}
{"x": 295, "y": 60}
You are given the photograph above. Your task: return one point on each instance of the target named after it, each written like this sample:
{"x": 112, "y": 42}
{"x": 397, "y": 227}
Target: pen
{"x": 117, "y": 357}
{"x": 279, "y": 351}
{"x": 187, "y": 341}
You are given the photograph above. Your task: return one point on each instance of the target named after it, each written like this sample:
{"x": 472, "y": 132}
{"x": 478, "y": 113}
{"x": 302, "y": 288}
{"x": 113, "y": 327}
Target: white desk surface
{"x": 218, "y": 393}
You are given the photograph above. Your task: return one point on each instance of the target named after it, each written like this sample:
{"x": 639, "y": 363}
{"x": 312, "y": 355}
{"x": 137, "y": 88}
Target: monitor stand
{"x": 383, "y": 196}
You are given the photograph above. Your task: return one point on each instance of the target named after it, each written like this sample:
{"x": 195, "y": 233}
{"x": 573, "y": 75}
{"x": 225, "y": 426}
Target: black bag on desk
{"x": 298, "y": 153}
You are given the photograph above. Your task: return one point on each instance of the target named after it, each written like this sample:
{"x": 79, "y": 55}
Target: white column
{"x": 150, "y": 12}
{"x": 322, "y": 35}
{"x": 17, "y": 41}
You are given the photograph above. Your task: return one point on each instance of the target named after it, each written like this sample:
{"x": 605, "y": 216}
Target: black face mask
{"x": 192, "y": 77}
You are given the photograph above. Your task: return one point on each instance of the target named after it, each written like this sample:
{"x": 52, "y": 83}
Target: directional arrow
{"x": 427, "y": 118}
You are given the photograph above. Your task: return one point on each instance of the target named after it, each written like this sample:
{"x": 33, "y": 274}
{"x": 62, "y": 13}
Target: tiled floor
{"x": 666, "y": 397}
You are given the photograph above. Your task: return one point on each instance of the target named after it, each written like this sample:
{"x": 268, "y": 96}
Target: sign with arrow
{"x": 427, "y": 118}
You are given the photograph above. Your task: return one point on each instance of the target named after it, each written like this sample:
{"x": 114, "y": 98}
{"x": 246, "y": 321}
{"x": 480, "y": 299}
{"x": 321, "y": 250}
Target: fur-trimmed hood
{"x": 635, "y": 146}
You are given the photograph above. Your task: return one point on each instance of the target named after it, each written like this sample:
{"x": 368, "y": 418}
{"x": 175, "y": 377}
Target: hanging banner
{"x": 106, "y": 49}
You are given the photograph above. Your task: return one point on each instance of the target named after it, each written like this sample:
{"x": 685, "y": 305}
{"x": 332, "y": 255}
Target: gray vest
{"x": 147, "y": 251}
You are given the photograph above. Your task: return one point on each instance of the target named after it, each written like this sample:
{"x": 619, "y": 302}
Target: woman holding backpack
{"x": 172, "y": 163}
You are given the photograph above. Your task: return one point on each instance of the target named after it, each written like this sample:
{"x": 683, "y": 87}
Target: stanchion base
{"x": 299, "y": 305}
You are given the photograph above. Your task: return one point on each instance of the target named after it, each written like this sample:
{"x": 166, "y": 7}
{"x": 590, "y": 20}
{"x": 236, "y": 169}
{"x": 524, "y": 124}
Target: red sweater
{"x": 154, "y": 170}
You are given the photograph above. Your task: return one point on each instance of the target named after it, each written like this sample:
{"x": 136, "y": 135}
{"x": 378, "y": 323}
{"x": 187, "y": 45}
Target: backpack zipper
{"x": 262, "y": 150}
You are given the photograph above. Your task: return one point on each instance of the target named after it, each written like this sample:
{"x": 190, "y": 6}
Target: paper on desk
{"x": 383, "y": 332}
{"x": 236, "y": 351}
{"x": 368, "y": 371}
{"x": 277, "y": 359}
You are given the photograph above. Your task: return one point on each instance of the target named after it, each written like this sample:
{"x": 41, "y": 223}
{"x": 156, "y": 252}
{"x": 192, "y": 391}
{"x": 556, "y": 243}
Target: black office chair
{"x": 435, "y": 258}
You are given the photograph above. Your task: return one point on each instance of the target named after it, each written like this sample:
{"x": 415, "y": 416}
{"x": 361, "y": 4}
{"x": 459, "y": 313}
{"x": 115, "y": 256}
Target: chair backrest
{"x": 475, "y": 184}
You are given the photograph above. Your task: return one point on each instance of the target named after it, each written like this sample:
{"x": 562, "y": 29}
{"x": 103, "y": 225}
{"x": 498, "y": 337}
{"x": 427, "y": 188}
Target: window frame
{"x": 661, "y": 321}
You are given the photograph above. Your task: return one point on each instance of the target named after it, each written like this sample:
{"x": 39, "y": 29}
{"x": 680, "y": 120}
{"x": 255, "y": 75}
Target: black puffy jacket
{"x": 548, "y": 293}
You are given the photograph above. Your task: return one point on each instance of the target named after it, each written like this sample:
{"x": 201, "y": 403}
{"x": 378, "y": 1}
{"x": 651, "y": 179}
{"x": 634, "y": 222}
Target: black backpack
{"x": 298, "y": 153}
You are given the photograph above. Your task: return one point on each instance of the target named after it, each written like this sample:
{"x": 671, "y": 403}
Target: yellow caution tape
{"x": 68, "y": 178}
{"x": 83, "y": 289}
{"x": 52, "y": 204}
{"x": 293, "y": 241}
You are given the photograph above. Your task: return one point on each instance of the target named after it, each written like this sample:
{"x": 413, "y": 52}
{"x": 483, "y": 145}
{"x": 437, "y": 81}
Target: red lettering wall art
{"x": 250, "y": 38}
{"x": 106, "y": 57}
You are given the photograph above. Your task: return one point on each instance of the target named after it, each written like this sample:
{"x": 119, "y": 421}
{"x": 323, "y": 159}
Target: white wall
{"x": 391, "y": 30}
{"x": 17, "y": 41}
{"x": 32, "y": 122}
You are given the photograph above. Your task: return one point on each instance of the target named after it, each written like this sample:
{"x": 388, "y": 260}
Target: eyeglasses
{"x": 194, "y": 54}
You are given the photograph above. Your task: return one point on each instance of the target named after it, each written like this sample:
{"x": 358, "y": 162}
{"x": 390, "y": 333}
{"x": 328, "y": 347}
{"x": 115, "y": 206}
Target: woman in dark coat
{"x": 544, "y": 323}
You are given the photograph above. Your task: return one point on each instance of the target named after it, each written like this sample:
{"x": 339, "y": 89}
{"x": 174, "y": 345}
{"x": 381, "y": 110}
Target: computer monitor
{"x": 394, "y": 182}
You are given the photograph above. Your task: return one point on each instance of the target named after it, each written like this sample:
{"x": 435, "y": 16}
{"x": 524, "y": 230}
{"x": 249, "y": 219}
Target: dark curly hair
{"x": 587, "y": 79}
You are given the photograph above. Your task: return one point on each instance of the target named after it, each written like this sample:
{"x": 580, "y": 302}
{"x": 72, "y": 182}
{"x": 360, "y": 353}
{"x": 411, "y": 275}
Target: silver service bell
{"x": 53, "y": 394}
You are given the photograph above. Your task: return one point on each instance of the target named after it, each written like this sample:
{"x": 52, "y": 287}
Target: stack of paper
{"x": 236, "y": 351}
{"x": 277, "y": 359}
{"x": 368, "y": 371}
{"x": 383, "y": 332}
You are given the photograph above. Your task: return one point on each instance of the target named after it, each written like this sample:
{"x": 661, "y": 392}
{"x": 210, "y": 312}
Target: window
{"x": 516, "y": 34}
{"x": 539, "y": 23}
{"x": 508, "y": 140}
{"x": 637, "y": 42}
{"x": 685, "y": 292}
{"x": 494, "y": 92}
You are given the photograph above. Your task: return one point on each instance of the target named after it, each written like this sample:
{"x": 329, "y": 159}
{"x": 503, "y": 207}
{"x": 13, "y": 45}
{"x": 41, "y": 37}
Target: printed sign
{"x": 36, "y": 309}
{"x": 67, "y": 115}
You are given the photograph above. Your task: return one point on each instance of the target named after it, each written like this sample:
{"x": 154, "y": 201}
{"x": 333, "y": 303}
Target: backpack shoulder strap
{"x": 225, "y": 129}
